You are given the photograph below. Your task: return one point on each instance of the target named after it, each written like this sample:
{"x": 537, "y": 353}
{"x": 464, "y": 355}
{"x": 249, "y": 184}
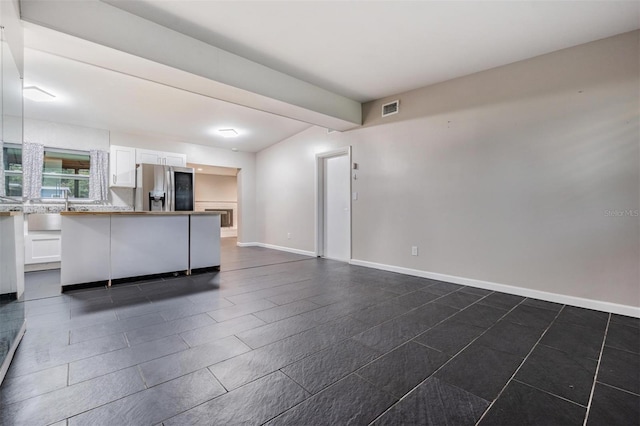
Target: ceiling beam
{"x": 203, "y": 68}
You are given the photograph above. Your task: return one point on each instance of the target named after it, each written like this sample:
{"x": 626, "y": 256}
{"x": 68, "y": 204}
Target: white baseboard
{"x": 273, "y": 247}
{"x": 598, "y": 305}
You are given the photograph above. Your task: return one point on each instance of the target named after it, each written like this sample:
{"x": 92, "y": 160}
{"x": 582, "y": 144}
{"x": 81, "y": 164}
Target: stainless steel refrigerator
{"x": 164, "y": 188}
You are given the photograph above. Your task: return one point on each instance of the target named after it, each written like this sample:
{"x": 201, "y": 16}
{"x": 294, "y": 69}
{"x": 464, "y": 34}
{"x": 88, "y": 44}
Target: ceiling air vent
{"x": 391, "y": 108}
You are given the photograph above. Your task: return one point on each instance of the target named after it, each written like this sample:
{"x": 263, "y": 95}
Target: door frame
{"x": 320, "y": 196}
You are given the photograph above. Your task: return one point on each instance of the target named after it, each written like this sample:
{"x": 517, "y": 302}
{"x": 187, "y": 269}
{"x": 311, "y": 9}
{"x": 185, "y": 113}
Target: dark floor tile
{"x": 523, "y": 405}
{"x": 543, "y": 304}
{"x": 30, "y": 361}
{"x": 69, "y": 401}
{"x": 502, "y": 300}
{"x": 531, "y": 316}
{"x": 623, "y": 337}
{"x": 416, "y": 298}
{"x": 391, "y": 334}
{"x": 475, "y": 290}
{"x": 450, "y": 336}
{"x": 556, "y": 372}
{"x": 480, "y": 315}
{"x": 458, "y": 300}
{"x": 620, "y": 369}
{"x": 178, "y": 364}
{"x": 625, "y": 320}
{"x": 441, "y": 286}
{"x": 350, "y": 401}
{"x": 269, "y": 333}
{"x": 235, "y": 311}
{"x": 613, "y": 407}
{"x": 30, "y": 385}
{"x": 158, "y": 331}
{"x": 88, "y": 368}
{"x": 480, "y": 370}
{"x": 326, "y": 367}
{"x": 155, "y": 404}
{"x": 244, "y": 368}
{"x": 575, "y": 340}
{"x": 404, "y": 368}
{"x": 378, "y": 314}
{"x": 335, "y": 310}
{"x": 286, "y": 311}
{"x": 584, "y": 317}
{"x": 220, "y": 330}
{"x": 510, "y": 337}
{"x": 435, "y": 403}
{"x": 112, "y": 327}
{"x": 253, "y": 403}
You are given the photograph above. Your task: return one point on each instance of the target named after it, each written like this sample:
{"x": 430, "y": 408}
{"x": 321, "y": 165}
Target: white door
{"x": 337, "y": 215}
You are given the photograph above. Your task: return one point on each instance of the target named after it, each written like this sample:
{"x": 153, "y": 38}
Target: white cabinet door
{"x": 42, "y": 247}
{"x": 147, "y": 156}
{"x": 176, "y": 160}
{"x": 122, "y": 167}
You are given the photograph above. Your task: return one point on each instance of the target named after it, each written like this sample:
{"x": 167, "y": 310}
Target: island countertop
{"x": 136, "y": 213}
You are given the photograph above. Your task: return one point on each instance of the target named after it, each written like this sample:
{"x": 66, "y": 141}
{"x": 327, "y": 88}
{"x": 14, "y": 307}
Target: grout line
{"x": 595, "y": 377}
{"x": 520, "y": 366}
{"x": 620, "y": 389}
{"x": 549, "y": 393}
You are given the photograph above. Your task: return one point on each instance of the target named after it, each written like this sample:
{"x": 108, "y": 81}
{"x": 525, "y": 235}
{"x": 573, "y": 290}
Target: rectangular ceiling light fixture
{"x": 37, "y": 94}
{"x": 228, "y": 133}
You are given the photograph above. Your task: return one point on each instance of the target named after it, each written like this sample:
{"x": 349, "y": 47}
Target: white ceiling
{"x": 368, "y": 50}
{"x": 364, "y": 50}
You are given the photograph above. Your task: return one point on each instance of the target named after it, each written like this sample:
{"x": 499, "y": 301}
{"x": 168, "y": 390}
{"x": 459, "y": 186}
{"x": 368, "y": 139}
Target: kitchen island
{"x": 100, "y": 247}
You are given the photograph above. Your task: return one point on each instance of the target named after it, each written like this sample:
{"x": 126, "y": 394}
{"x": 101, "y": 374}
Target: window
{"x": 12, "y": 159}
{"x": 62, "y": 171}
{"x": 65, "y": 171}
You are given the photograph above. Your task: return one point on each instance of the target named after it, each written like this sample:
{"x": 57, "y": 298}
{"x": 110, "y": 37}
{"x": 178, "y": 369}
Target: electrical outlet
{"x": 288, "y": 235}
{"x": 414, "y": 250}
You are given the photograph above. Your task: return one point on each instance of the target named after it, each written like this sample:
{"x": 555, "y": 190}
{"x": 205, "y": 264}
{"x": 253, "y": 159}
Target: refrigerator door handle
{"x": 170, "y": 190}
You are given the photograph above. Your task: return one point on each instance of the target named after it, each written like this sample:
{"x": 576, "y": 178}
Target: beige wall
{"x": 508, "y": 176}
{"x": 216, "y": 188}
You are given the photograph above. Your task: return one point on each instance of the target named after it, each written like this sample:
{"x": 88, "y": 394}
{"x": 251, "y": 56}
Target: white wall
{"x": 201, "y": 154}
{"x": 505, "y": 176}
{"x": 66, "y": 136}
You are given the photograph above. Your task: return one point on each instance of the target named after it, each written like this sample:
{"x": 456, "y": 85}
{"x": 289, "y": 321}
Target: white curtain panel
{"x": 99, "y": 175}
{"x": 32, "y": 163}
{"x": 2, "y": 191}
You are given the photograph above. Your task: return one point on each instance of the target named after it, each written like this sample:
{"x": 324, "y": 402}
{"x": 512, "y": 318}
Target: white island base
{"x": 99, "y": 247}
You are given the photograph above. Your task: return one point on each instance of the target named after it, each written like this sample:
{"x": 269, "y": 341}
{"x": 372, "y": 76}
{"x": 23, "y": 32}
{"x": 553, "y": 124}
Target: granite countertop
{"x": 138, "y": 213}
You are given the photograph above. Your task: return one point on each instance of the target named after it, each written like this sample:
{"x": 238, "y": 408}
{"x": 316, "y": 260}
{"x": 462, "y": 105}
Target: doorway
{"x": 334, "y": 205}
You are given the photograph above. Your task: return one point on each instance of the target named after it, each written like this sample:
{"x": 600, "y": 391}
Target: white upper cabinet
{"x": 122, "y": 167}
{"x": 147, "y": 156}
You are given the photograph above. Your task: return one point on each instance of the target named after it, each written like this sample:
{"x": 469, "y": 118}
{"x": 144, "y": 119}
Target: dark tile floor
{"x": 279, "y": 338}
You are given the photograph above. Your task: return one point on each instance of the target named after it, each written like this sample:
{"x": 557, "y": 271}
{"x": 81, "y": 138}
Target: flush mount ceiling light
{"x": 37, "y": 94}
{"x": 228, "y": 133}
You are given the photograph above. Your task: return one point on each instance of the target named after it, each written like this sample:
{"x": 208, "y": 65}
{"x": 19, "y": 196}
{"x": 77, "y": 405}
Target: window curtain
{"x": 99, "y": 175}
{"x": 2, "y": 191}
{"x": 32, "y": 164}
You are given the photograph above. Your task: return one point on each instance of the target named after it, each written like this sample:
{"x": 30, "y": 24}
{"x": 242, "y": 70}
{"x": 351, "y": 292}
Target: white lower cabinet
{"x": 42, "y": 247}
{"x": 85, "y": 249}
